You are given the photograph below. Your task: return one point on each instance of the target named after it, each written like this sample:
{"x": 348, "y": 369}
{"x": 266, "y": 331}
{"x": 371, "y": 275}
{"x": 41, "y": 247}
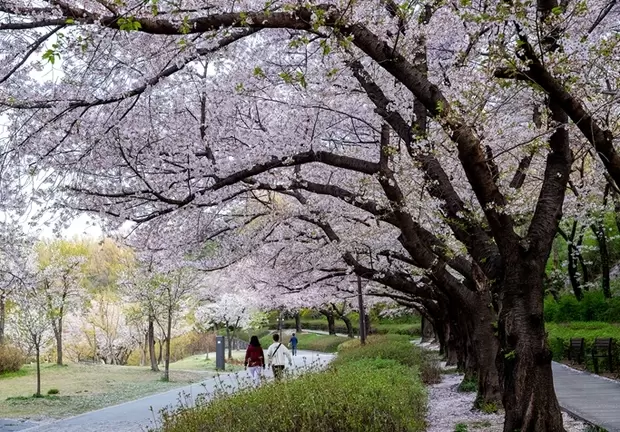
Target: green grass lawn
{"x": 559, "y": 336}
{"x": 200, "y": 363}
{"x": 309, "y": 341}
{"x": 86, "y": 387}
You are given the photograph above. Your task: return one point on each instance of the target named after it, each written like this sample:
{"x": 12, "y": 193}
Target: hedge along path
{"x": 590, "y": 397}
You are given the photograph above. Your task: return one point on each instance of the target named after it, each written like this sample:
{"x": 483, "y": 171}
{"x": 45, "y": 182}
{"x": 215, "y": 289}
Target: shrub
{"x": 568, "y": 309}
{"x": 559, "y": 336}
{"x": 392, "y": 347}
{"x": 370, "y": 395}
{"x": 468, "y": 386}
{"x": 53, "y": 391}
{"x": 593, "y": 307}
{"x": 11, "y": 358}
{"x": 551, "y": 309}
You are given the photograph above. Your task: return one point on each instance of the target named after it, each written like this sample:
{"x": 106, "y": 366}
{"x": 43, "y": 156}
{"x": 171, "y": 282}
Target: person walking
{"x": 276, "y": 357}
{"x": 255, "y": 359}
{"x": 293, "y": 343}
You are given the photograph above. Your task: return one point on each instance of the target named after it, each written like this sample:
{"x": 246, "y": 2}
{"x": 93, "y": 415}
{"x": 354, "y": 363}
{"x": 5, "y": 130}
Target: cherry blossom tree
{"x": 60, "y": 266}
{"x": 418, "y": 116}
{"x": 15, "y": 269}
{"x": 32, "y": 325}
{"x": 231, "y": 310}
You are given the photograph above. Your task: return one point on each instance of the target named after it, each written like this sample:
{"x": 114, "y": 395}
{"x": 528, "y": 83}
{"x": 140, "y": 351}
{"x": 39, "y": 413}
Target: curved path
{"x": 587, "y": 396}
{"x": 138, "y": 415}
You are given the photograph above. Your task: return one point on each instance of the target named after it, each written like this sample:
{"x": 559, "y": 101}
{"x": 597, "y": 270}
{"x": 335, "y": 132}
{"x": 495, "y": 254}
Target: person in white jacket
{"x": 277, "y": 355}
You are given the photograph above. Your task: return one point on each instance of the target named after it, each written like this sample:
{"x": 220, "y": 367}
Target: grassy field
{"x": 200, "y": 363}
{"x": 383, "y": 327}
{"x": 309, "y": 341}
{"x": 85, "y": 387}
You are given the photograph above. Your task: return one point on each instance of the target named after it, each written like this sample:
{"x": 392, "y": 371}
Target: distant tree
{"x": 33, "y": 326}
{"x": 61, "y": 265}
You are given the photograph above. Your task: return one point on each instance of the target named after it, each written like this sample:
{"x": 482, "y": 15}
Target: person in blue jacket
{"x": 293, "y": 343}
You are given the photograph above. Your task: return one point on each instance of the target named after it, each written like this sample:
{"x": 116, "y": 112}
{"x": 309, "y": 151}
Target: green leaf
{"x": 325, "y": 46}
{"x": 129, "y": 24}
{"x": 557, "y": 10}
{"x": 69, "y": 21}
{"x": 286, "y": 77}
{"x": 185, "y": 28}
{"x": 50, "y": 55}
{"x": 332, "y": 72}
{"x": 258, "y": 72}
{"x": 301, "y": 78}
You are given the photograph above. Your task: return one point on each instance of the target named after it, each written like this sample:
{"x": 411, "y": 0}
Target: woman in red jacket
{"x": 255, "y": 359}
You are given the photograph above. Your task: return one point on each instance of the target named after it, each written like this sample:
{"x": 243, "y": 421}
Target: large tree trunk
{"x": 484, "y": 346}
{"x": 331, "y": 321}
{"x": 453, "y": 352}
{"x": 525, "y": 358}
{"x": 298, "y": 322}
{"x": 160, "y": 355}
{"x": 151, "y": 342}
{"x": 427, "y": 330}
{"x": 349, "y": 325}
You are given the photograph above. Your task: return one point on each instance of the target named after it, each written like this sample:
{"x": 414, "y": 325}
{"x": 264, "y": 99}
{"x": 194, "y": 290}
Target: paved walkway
{"x": 590, "y": 397}
{"x": 594, "y": 399}
{"x": 137, "y": 415}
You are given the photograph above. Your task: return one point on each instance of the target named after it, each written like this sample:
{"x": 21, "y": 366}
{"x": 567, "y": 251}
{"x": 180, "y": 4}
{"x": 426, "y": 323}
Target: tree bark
{"x": 151, "y": 342}
{"x": 427, "y": 330}
{"x": 143, "y": 349}
{"x": 2, "y": 317}
{"x": 349, "y": 325}
{"x": 524, "y": 360}
{"x": 331, "y": 322}
{"x": 572, "y": 265}
{"x": 298, "y": 322}
{"x": 160, "y": 355}
{"x": 483, "y": 348}
{"x": 167, "y": 355}
{"x": 453, "y": 351}
{"x": 361, "y": 310}
{"x": 229, "y": 341}
{"x": 347, "y": 322}
{"x": 598, "y": 229}
{"x": 38, "y": 354}
{"x": 58, "y": 335}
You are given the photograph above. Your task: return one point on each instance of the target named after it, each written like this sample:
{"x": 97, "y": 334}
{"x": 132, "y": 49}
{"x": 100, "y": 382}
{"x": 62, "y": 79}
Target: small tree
{"x": 61, "y": 264}
{"x": 33, "y": 326}
{"x": 232, "y": 310}
{"x": 172, "y": 290}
